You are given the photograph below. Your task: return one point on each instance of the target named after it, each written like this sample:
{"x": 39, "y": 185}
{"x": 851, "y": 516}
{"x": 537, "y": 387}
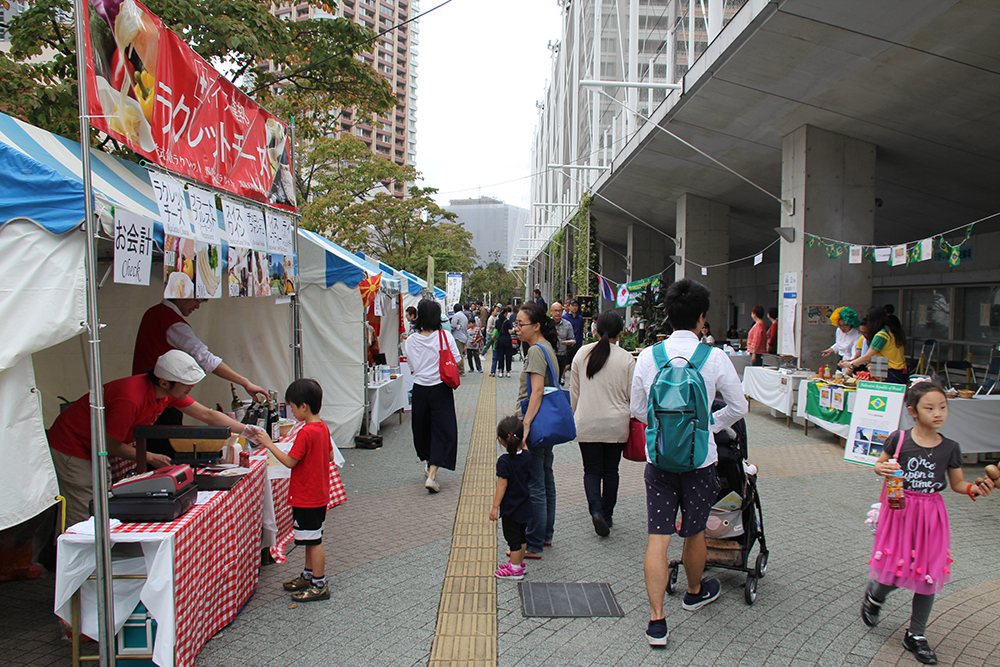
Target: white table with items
{"x": 385, "y": 398}
{"x": 777, "y": 389}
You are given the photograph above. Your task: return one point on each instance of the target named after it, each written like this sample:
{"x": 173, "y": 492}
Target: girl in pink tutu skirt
{"x": 912, "y": 545}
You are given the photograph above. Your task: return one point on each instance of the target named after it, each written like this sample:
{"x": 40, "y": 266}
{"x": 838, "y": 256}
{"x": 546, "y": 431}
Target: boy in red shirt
{"x": 309, "y": 489}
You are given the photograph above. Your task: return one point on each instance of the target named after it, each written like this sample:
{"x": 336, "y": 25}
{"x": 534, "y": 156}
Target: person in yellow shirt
{"x": 885, "y": 339}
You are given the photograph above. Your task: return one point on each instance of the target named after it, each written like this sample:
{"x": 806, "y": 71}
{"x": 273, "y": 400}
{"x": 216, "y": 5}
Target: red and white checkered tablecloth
{"x": 283, "y": 511}
{"x": 216, "y": 561}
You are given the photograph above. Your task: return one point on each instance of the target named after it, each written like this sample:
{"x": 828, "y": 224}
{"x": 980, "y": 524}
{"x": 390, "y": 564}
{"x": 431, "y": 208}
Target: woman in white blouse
{"x": 600, "y": 390}
{"x": 433, "y": 421}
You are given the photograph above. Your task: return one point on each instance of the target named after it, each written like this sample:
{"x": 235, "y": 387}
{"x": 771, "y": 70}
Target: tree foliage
{"x": 340, "y": 180}
{"x": 495, "y": 279}
{"x": 38, "y": 75}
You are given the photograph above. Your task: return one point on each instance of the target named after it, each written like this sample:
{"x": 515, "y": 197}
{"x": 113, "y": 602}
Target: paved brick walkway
{"x": 390, "y": 546}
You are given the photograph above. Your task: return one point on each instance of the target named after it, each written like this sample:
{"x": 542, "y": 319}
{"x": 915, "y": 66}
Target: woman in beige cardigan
{"x": 600, "y": 389}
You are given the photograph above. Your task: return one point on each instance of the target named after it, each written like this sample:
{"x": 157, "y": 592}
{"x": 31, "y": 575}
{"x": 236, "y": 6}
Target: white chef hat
{"x": 178, "y": 366}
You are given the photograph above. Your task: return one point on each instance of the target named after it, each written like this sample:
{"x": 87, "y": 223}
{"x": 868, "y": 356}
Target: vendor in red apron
{"x": 129, "y": 402}
{"x": 164, "y": 328}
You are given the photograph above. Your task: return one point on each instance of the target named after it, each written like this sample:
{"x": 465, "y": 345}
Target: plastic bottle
{"x": 894, "y": 489}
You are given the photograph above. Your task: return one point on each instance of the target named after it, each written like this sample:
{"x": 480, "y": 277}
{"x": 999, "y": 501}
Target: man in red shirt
{"x": 164, "y": 327}
{"x": 309, "y": 487}
{"x": 129, "y": 402}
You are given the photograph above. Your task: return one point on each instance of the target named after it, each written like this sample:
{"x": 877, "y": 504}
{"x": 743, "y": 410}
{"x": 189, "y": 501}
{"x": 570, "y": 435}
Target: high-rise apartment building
{"x": 394, "y": 55}
{"x": 492, "y": 224}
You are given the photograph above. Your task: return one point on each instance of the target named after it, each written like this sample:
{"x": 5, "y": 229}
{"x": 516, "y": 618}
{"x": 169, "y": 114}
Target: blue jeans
{"x": 543, "y": 499}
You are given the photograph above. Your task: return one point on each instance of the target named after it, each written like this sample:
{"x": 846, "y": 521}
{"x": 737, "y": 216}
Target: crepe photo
{"x": 178, "y": 268}
{"x": 240, "y": 277}
{"x": 289, "y": 274}
{"x": 208, "y": 283}
{"x": 261, "y": 273}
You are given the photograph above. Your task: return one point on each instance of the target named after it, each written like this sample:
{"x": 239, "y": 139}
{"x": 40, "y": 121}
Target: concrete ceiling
{"x": 920, "y": 79}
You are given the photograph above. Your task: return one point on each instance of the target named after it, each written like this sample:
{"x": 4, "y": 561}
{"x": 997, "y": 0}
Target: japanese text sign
{"x": 150, "y": 91}
{"x": 235, "y": 217}
{"x": 133, "y": 248}
{"x": 173, "y": 209}
{"x": 206, "y": 223}
{"x": 279, "y": 234}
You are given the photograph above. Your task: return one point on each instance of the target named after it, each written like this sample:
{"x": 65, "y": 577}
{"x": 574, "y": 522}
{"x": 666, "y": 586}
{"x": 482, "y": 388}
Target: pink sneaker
{"x": 508, "y": 571}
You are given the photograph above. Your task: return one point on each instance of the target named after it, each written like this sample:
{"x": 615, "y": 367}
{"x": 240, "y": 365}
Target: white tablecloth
{"x": 764, "y": 385}
{"x": 385, "y": 398}
{"x": 972, "y": 422}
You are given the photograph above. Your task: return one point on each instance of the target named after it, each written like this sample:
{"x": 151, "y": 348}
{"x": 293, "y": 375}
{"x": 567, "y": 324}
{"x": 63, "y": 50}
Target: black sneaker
{"x": 657, "y": 632}
{"x": 608, "y": 520}
{"x": 918, "y": 646}
{"x": 710, "y": 589}
{"x": 870, "y": 609}
{"x": 600, "y": 525}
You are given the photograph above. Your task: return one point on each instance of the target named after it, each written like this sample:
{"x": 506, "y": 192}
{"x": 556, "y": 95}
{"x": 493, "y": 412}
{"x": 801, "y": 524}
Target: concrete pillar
{"x": 703, "y": 238}
{"x": 831, "y": 177}
{"x": 647, "y": 253}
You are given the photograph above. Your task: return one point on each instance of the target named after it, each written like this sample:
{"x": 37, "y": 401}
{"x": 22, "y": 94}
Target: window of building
{"x": 609, "y": 70}
{"x": 608, "y": 44}
{"x": 386, "y": 9}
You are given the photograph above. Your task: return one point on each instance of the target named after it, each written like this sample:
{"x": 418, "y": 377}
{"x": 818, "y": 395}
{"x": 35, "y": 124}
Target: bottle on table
{"x": 272, "y": 415}
{"x": 894, "y": 489}
{"x": 237, "y": 404}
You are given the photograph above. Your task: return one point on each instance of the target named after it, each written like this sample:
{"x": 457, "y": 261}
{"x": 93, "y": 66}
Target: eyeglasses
{"x": 518, "y": 325}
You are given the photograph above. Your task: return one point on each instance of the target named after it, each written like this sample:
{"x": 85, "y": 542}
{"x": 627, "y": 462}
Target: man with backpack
{"x": 673, "y": 387}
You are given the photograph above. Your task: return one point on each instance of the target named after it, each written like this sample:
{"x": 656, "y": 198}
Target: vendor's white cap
{"x": 177, "y": 366}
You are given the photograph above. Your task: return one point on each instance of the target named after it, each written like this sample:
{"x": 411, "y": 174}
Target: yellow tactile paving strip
{"x": 466, "y": 632}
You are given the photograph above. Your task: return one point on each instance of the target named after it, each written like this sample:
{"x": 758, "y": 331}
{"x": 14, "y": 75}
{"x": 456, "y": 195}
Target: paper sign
{"x": 169, "y": 196}
{"x": 240, "y": 275}
{"x": 818, "y": 314}
{"x": 704, "y": 271}
{"x": 984, "y": 314}
{"x": 786, "y": 330}
{"x": 178, "y": 268}
{"x": 826, "y": 397}
{"x": 899, "y": 255}
{"x": 882, "y": 254}
{"x": 208, "y": 276}
{"x": 837, "y": 398}
{"x": 378, "y": 305}
{"x": 133, "y": 247}
{"x": 206, "y": 225}
{"x": 290, "y": 270}
{"x": 855, "y": 255}
{"x": 758, "y": 259}
{"x": 256, "y": 229}
{"x": 279, "y": 233}
{"x": 277, "y": 267}
{"x": 790, "y": 285}
{"x": 877, "y": 408}
{"x": 261, "y": 263}
{"x": 235, "y": 217}
{"x": 926, "y": 249}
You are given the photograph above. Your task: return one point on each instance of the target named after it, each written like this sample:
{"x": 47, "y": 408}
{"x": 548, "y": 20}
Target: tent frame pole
{"x": 296, "y": 312}
{"x": 99, "y": 453}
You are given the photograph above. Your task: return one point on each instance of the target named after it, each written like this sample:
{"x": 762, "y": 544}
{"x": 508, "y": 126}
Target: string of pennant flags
{"x": 903, "y": 254}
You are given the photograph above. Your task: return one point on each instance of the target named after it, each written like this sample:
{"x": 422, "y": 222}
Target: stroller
{"x": 731, "y": 535}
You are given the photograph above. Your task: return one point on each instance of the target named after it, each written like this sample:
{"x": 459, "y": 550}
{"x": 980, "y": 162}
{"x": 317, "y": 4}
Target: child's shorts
{"x": 307, "y": 526}
{"x": 513, "y": 532}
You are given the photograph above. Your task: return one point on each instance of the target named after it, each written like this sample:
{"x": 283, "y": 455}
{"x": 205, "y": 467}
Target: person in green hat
{"x": 847, "y": 322}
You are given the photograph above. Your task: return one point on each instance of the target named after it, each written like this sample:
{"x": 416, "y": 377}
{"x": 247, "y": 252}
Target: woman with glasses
{"x": 538, "y": 330}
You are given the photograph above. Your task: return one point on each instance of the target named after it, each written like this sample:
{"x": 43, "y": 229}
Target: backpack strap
{"x": 700, "y": 356}
{"x": 660, "y": 355}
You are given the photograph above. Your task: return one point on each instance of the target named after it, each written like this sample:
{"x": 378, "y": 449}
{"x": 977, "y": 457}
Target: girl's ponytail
{"x": 510, "y": 431}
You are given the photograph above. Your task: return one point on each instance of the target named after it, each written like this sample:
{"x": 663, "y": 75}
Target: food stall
{"x": 776, "y": 388}
{"x": 333, "y": 336}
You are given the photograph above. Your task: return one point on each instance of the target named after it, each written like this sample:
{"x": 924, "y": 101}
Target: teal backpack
{"x": 678, "y": 414}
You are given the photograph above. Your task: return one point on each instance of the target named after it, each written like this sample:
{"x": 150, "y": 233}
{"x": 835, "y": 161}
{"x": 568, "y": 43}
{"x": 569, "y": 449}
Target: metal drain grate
{"x": 561, "y": 600}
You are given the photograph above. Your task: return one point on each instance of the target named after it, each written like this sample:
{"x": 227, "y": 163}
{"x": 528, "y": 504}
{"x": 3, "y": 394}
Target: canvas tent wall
{"x": 43, "y": 309}
{"x": 332, "y": 319}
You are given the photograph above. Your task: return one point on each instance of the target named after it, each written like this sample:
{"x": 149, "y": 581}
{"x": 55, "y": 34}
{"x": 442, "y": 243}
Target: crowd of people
{"x": 610, "y": 389}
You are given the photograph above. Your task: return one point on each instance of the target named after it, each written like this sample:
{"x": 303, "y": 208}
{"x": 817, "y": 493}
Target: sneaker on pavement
{"x": 600, "y": 524}
{"x": 918, "y": 646}
{"x": 509, "y": 571}
{"x": 710, "y": 589}
{"x": 870, "y": 609}
{"x": 297, "y": 584}
{"x": 312, "y": 593}
{"x": 657, "y": 633}
{"x": 432, "y": 486}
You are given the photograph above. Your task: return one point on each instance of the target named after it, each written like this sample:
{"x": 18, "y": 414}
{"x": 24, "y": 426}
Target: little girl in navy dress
{"x": 912, "y": 545}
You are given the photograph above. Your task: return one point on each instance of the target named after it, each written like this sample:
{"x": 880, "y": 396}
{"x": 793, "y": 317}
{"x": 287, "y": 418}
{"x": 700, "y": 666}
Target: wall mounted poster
{"x": 818, "y": 314}
{"x": 877, "y": 409}
{"x": 277, "y": 268}
{"x": 208, "y": 283}
{"x": 178, "y": 268}
{"x": 261, "y": 273}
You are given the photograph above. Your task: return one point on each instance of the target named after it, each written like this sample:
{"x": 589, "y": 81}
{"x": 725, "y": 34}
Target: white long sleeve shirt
{"x": 719, "y": 375}
{"x": 423, "y": 353}
{"x": 845, "y": 343}
{"x": 182, "y": 337}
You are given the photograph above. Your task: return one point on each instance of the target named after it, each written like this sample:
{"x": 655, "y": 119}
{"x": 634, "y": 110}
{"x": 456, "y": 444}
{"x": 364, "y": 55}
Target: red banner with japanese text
{"x": 149, "y": 90}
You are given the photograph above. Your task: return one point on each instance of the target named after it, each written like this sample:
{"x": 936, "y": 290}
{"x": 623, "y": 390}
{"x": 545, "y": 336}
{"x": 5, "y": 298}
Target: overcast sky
{"x": 482, "y": 64}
